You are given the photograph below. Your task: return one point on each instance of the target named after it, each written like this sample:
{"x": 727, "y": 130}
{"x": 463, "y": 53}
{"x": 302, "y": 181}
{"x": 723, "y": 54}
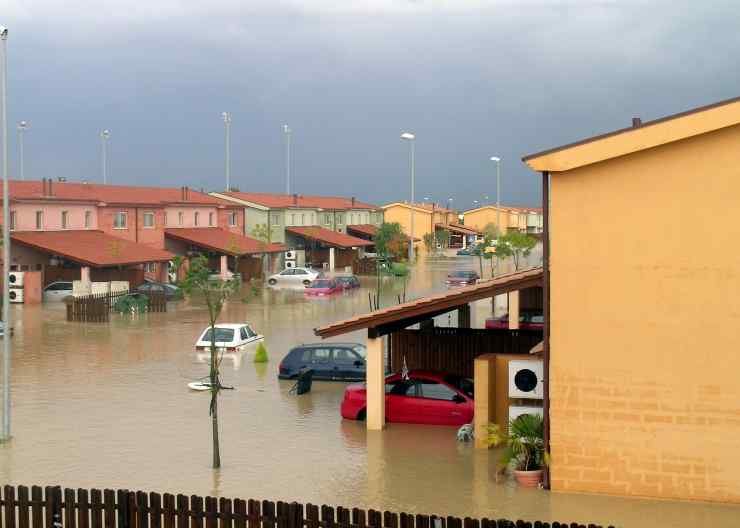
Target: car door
{"x": 300, "y": 275}
{"x": 286, "y": 275}
{"x": 321, "y": 363}
{"x": 401, "y": 402}
{"x": 348, "y": 365}
{"x": 441, "y": 405}
{"x": 243, "y": 336}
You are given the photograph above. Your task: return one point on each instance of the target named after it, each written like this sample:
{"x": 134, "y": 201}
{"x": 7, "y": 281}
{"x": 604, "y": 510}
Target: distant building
{"x": 429, "y": 218}
{"x": 522, "y": 219}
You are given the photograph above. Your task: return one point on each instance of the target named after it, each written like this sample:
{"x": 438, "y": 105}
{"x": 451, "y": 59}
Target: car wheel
{"x": 361, "y": 415}
{"x": 272, "y": 282}
{"x": 306, "y": 282}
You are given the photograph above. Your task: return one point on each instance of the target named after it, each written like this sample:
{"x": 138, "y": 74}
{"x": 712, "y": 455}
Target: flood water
{"x": 106, "y": 405}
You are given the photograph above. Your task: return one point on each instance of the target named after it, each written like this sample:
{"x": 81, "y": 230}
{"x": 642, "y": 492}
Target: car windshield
{"x": 323, "y": 283}
{"x": 464, "y": 385}
{"x": 463, "y": 274}
{"x": 223, "y": 335}
{"x": 361, "y": 350}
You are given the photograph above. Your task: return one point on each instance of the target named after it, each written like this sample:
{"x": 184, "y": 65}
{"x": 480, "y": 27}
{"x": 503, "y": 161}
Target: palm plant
{"x": 525, "y": 443}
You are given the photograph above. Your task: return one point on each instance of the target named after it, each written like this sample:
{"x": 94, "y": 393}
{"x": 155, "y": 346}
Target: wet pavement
{"x": 106, "y": 405}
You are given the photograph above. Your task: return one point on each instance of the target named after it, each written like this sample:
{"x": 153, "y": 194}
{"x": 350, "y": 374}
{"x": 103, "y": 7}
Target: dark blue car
{"x": 329, "y": 361}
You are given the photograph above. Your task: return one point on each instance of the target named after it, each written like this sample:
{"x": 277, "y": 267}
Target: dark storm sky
{"x": 472, "y": 79}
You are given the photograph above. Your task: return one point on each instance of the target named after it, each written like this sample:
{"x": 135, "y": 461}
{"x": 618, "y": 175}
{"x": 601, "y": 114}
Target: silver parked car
{"x": 294, "y": 277}
{"x": 57, "y": 291}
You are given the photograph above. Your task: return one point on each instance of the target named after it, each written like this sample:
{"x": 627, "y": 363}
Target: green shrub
{"x": 260, "y": 356}
{"x": 131, "y": 304}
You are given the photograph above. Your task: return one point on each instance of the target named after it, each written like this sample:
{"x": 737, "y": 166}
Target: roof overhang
{"x": 629, "y": 140}
{"x": 459, "y": 229}
{"x": 239, "y": 201}
{"x": 387, "y": 320}
{"x": 328, "y": 237}
{"x": 221, "y": 241}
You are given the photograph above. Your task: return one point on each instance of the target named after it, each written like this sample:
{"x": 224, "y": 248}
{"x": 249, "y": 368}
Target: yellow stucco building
{"x": 523, "y": 219}
{"x": 426, "y": 217}
{"x": 644, "y": 309}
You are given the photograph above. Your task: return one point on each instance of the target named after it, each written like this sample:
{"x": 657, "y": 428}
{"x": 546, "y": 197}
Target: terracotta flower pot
{"x": 529, "y": 479}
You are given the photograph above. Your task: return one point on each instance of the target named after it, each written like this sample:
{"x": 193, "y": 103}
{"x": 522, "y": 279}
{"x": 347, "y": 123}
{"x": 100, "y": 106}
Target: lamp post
{"x": 104, "y": 136}
{"x": 411, "y": 138}
{"x": 287, "y": 132}
{"x": 227, "y": 130}
{"x": 5, "y": 435}
{"x": 498, "y": 202}
{"x": 22, "y": 127}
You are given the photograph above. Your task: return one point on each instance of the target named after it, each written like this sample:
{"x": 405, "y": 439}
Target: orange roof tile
{"x": 328, "y": 237}
{"x": 91, "y": 248}
{"x": 222, "y": 241}
{"x": 301, "y": 200}
{"x": 459, "y": 228}
{"x": 365, "y": 229}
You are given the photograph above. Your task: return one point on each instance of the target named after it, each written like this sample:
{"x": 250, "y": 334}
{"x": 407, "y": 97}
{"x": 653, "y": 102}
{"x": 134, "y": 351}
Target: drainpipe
{"x": 136, "y": 224}
{"x": 546, "y": 312}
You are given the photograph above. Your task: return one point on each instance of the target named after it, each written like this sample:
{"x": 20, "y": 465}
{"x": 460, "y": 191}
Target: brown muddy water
{"x": 106, "y": 405}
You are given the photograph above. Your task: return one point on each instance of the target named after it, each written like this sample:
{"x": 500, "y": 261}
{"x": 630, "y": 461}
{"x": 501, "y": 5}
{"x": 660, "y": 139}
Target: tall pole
{"x": 287, "y": 131}
{"x": 227, "y": 125}
{"x": 411, "y": 138}
{"x": 22, "y": 127}
{"x": 104, "y": 135}
{"x": 498, "y": 204}
{"x": 6, "y": 237}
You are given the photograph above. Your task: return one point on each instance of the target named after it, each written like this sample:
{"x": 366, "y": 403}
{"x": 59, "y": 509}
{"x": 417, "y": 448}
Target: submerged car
{"x": 229, "y": 337}
{"x": 323, "y": 287}
{"x": 348, "y": 282}
{"x": 293, "y": 277}
{"x": 462, "y": 278}
{"x": 421, "y": 397}
{"x": 171, "y": 292}
{"x": 57, "y": 291}
{"x": 328, "y": 361}
{"x": 528, "y": 320}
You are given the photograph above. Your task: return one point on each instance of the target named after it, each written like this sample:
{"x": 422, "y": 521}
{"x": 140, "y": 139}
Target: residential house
{"x": 522, "y": 219}
{"x": 644, "y": 314}
{"x": 429, "y": 219}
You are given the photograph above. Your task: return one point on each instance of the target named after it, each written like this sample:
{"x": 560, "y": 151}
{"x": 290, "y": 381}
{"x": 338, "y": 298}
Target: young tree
{"x": 215, "y": 292}
{"x": 443, "y": 238}
{"x": 515, "y": 245}
{"x": 481, "y": 253}
{"x": 261, "y": 232}
{"x": 390, "y": 241}
{"x": 430, "y": 242}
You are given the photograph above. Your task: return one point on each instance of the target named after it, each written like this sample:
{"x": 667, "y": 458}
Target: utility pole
{"x": 22, "y": 127}
{"x": 104, "y": 136}
{"x": 227, "y": 125}
{"x": 411, "y": 138}
{"x": 5, "y": 435}
{"x": 287, "y": 131}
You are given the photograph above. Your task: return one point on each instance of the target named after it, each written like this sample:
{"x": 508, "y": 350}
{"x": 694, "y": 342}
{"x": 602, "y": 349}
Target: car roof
{"x": 230, "y": 325}
{"x": 327, "y": 343}
{"x": 431, "y": 374}
{"x": 59, "y": 282}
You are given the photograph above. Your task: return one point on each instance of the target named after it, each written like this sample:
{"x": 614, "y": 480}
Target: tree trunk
{"x": 214, "y": 422}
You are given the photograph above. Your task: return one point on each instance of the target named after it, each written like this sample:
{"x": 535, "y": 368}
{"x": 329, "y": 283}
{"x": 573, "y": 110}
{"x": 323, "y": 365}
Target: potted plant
{"x": 525, "y": 448}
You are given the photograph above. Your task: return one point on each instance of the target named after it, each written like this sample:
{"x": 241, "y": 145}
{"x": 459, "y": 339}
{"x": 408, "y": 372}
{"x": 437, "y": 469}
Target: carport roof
{"x": 459, "y": 228}
{"x": 222, "y": 241}
{"x": 91, "y": 248}
{"x": 365, "y": 229}
{"x": 403, "y": 315}
{"x": 328, "y": 237}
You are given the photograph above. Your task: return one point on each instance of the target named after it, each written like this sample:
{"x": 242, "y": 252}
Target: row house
{"x": 521, "y": 219}
{"x": 324, "y": 231}
{"x": 429, "y": 219}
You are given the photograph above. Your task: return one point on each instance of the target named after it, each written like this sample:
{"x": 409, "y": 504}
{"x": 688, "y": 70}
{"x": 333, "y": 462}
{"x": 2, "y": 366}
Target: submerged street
{"x": 107, "y": 405}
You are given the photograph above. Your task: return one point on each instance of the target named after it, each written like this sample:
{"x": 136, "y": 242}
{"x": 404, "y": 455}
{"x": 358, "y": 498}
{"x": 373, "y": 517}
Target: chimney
{"x": 353, "y": 201}
{"x": 295, "y": 199}
{"x": 51, "y": 192}
{"x": 61, "y": 179}
{"x": 636, "y": 122}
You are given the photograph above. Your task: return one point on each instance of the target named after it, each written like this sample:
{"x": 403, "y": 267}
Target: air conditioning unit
{"x": 290, "y": 263}
{"x": 15, "y": 279}
{"x": 526, "y": 379}
{"x": 515, "y": 411}
{"x": 16, "y": 295}
{"x": 290, "y": 255}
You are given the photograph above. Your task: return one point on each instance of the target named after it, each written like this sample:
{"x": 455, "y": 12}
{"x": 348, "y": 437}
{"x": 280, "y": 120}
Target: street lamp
{"x": 498, "y": 202}
{"x": 411, "y": 138}
{"x": 22, "y": 127}
{"x": 5, "y": 435}
{"x": 104, "y": 136}
{"x": 287, "y": 131}
{"x": 227, "y": 126}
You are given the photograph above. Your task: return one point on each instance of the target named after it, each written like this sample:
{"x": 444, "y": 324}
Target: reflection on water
{"x": 107, "y": 406}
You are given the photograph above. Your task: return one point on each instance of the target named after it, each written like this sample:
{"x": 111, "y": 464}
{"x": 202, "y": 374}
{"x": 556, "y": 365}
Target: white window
{"x": 303, "y": 219}
{"x": 232, "y": 219}
{"x": 12, "y": 220}
{"x": 210, "y": 219}
{"x": 119, "y": 222}
{"x": 39, "y": 219}
{"x": 292, "y": 219}
{"x": 150, "y": 267}
{"x": 196, "y": 218}
{"x": 88, "y": 219}
{"x": 327, "y": 219}
{"x": 149, "y": 220}
{"x": 164, "y": 220}
{"x": 180, "y": 218}
{"x": 339, "y": 219}
{"x": 276, "y": 219}
{"x": 65, "y": 219}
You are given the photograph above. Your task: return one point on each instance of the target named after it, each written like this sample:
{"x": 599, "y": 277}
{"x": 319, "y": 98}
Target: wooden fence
{"x": 96, "y": 308}
{"x": 52, "y": 507}
{"x": 454, "y": 349}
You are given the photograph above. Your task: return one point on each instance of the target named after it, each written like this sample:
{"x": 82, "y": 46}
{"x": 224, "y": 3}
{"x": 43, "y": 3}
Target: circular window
{"x": 525, "y": 380}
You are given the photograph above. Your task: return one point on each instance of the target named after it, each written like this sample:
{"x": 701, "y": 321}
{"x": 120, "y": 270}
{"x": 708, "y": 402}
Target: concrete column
{"x": 162, "y": 271}
{"x": 465, "y": 241}
{"x": 463, "y": 316}
{"x": 484, "y": 374}
{"x": 85, "y": 274}
{"x": 514, "y": 310}
{"x": 224, "y": 267}
{"x": 331, "y": 259}
{"x": 375, "y": 376}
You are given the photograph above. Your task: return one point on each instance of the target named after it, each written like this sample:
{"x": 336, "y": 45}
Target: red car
{"x": 528, "y": 320}
{"x": 462, "y": 278}
{"x": 425, "y": 397}
{"x": 323, "y": 287}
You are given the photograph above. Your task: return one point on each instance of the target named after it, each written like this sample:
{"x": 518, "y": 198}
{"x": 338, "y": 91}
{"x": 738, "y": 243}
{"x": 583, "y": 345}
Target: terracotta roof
{"x": 91, "y": 248}
{"x": 365, "y": 229}
{"x": 222, "y": 241}
{"x": 413, "y": 311}
{"x": 113, "y": 194}
{"x": 328, "y": 237}
{"x": 507, "y": 208}
{"x": 301, "y": 200}
{"x": 459, "y": 228}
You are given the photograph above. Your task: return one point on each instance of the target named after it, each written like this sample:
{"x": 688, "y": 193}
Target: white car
{"x": 294, "y": 277}
{"x": 57, "y": 291}
{"x": 229, "y": 338}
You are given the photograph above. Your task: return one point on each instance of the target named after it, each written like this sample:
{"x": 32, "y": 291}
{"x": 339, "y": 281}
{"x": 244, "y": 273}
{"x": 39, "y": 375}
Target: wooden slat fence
{"x": 96, "y": 308}
{"x": 54, "y": 507}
